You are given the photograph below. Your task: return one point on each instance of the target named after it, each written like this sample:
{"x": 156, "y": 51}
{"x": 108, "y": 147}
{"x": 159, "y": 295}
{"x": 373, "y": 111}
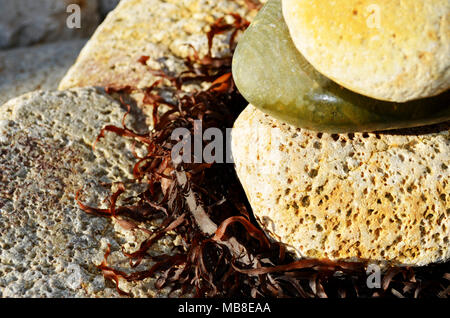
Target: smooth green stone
{"x": 273, "y": 76}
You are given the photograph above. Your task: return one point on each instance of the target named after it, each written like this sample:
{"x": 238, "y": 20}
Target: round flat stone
{"x": 273, "y": 76}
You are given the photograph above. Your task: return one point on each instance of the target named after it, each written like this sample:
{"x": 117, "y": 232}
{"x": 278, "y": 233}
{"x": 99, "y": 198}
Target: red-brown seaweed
{"x": 226, "y": 253}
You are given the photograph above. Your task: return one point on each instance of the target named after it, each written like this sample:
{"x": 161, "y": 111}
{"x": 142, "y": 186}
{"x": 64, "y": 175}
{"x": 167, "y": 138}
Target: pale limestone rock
{"x": 28, "y": 22}
{"x": 160, "y": 29}
{"x": 48, "y": 246}
{"x": 377, "y": 196}
{"x": 40, "y": 67}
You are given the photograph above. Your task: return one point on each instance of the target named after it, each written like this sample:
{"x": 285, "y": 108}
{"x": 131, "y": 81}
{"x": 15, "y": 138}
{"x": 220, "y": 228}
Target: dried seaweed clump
{"x": 225, "y": 252}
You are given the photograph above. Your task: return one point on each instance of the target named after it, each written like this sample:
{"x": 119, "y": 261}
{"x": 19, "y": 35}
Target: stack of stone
{"x": 49, "y": 247}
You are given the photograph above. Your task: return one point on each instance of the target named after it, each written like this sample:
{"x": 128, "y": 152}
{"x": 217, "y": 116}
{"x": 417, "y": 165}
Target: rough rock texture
{"x": 156, "y": 28}
{"x": 28, "y": 22}
{"x": 368, "y": 47}
{"x": 371, "y": 196}
{"x": 35, "y": 68}
{"x": 48, "y": 246}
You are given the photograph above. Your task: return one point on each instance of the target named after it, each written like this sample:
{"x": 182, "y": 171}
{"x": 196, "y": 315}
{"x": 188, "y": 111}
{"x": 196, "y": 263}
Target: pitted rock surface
{"x": 376, "y": 196}
{"x": 48, "y": 246}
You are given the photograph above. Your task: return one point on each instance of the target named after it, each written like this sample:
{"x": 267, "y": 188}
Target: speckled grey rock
{"x": 365, "y": 196}
{"x": 48, "y": 246}
{"x": 41, "y": 67}
{"x": 27, "y": 22}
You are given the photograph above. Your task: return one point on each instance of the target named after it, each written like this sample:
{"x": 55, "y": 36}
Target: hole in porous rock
{"x": 305, "y": 201}
{"x": 313, "y": 173}
{"x": 389, "y": 197}
{"x": 319, "y": 189}
{"x": 377, "y": 233}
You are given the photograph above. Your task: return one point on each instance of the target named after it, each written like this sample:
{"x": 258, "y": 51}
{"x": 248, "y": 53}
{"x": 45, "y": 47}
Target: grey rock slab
{"x": 28, "y": 22}
{"x": 48, "y": 246}
{"x": 40, "y": 67}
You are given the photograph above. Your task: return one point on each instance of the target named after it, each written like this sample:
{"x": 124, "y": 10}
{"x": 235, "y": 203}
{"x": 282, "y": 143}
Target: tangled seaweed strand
{"x": 226, "y": 253}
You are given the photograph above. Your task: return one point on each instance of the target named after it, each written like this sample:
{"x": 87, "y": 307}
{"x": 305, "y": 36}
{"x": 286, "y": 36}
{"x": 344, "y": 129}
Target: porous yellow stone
{"x": 381, "y": 197}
